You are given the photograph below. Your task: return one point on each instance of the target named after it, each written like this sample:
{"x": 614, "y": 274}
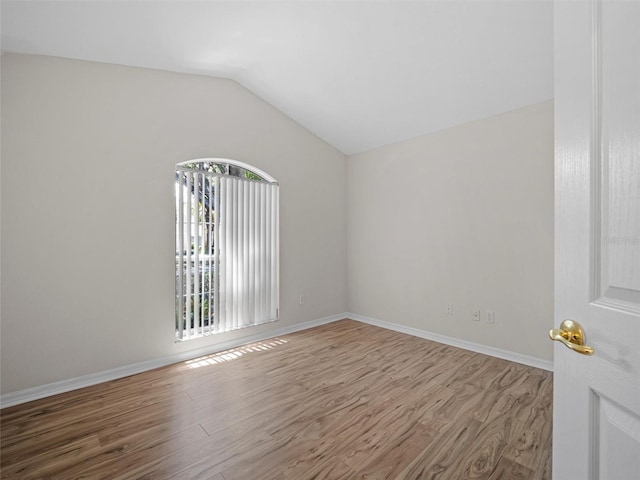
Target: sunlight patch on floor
{"x": 235, "y": 353}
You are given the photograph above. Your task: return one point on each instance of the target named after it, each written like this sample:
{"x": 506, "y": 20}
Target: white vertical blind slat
{"x": 231, "y": 237}
{"x": 235, "y": 256}
{"x": 216, "y": 257}
{"x": 269, "y": 260}
{"x": 222, "y": 237}
{"x": 196, "y": 259}
{"x": 245, "y": 318}
{"x": 180, "y": 250}
{"x": 228, "y": 255}
{"x": 212, "y": 244}
{"x": 275, "y": 215}
{"x": 209, "y": 251}
{"x": 188, "y": 273}
{"x": 256, "y": 253}
{"x": 203, "y": 258}
{"x": 238, "y": 257}
{"x": 263, "y": 252}
{"x": 259, "y": 256}
{"x": 222, "y": 315}
{"x": 251, "y": 280}
{"x": 241, "y": 254}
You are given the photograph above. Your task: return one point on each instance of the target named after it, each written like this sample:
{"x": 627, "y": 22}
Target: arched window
{"x": 227, "y": 247}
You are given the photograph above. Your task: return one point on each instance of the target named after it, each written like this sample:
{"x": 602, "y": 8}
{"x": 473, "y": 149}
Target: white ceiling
{"x": 357, "y": 74}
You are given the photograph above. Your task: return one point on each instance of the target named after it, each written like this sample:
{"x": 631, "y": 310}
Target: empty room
{"x": 320, "y": 240}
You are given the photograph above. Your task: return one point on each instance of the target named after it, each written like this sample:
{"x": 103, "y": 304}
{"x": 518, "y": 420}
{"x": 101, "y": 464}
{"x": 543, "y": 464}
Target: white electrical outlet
{"x": 490, "y": 318}
{"x": 449, "y": 308}
{"x": 476, "y": 315}
{"x": 301, "y": 299}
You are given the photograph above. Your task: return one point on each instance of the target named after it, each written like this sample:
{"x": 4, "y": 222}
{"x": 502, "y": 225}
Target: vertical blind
{"x": 227, "y": 252}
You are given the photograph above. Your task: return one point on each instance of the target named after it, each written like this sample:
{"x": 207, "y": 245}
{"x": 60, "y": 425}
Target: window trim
{"x": 228, "y": 312}
{"x": 252, "y": 168}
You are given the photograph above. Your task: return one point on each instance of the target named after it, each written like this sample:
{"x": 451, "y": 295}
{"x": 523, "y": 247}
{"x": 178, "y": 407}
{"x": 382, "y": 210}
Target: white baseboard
{"x": 62, "y": 386}
{"x": 456, "y": 342}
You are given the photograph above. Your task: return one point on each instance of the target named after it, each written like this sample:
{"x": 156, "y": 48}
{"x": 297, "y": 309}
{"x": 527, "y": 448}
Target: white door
{"x": 596, "y": 417}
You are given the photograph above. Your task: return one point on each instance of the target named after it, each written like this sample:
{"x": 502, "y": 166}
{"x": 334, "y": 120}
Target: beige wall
{"x": 88, "y": 152}
{"x": 463, "y": 216}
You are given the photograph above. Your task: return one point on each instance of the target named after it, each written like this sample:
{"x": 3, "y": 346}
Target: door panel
{"x": 597, "y": 263}
{"x": 618, "y": 436}
{"x": 616, "y": 31}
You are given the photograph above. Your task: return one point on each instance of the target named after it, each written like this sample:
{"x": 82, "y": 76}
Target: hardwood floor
{"x": 341, "y": 401}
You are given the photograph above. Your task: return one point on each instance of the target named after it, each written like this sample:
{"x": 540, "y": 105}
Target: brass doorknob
{"x": 572, "y": 335}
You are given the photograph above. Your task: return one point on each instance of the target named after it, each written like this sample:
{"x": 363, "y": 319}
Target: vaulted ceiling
{"x": 357, "y": 74}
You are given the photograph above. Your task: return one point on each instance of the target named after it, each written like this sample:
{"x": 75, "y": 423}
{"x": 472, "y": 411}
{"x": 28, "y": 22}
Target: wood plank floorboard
{"x": 341, "y": 401}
